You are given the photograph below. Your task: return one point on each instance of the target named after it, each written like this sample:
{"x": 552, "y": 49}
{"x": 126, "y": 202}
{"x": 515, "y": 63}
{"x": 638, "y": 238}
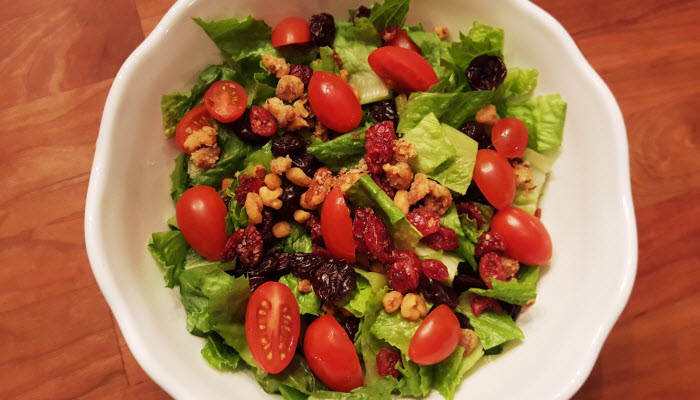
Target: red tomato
{"x": 509, "y": 137}
{"x": 272, "y": 325}
{"x": 436, "y": 338}
{"x": 525, "y": 237}
{"x": 226, "y": 101}
{"x": 291, "y": 30}
{"x": 495, "y": 178}
{"x": 402, "y": 40}
{"x": 334, "y": 102}
{"x": 331, "y": 355}
{"x": 336, "y": 226}
{"x": 402, "y": 70}
{"x": 201, "y": 216}
{"x": 194, "y": 120}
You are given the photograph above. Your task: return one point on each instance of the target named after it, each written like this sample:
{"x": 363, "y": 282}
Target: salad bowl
{"x": 588, "y": 207}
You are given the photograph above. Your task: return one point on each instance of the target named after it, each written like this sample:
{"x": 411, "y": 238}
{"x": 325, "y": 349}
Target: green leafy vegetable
{"x": 395, "y": 329}
{"x": 298, "y": 241}
{"x": 366, "y": 296}
{"x": 519, "y": 82}
{"x": 431, "y": 145}
{"x": 416, "y": 380}
{"x": 514, "y": 291}
{"x": 544, "y": 118}
{"x": 491, "y": 328}
{"x": 233, "y": 155}
{"x": 482, "y": 39}
{"x": 180, "y": 180}
{"x": 263, "y": 156}
{"x": 345, "y": 151}
{"x": 169, "y": 249}
{"x": 326, "y": 62}
{"x": 238, "y": 39}
{"x": 430, "y": 46}
{"x": 470, "y": 226}
{"x": 237, "y": 217}
{"x": 449, "y": 108}
{"x": 379, "y": 390}
{"x": 218, "y": 354}
{"x": 540, "y": 165}
{"x": 449, "y": 372}
{"x": 309, "y": 302}
{"x": 456, "y": 174}
{"x": 389, "y": 13}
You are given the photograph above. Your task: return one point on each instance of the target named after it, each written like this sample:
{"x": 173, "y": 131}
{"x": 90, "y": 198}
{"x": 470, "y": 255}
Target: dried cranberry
{"x": 303, "y": 265}
{"x": 321, "y": 251}
{"x": 262, "y": 122}
{"x": 303, "y": 72}
{"x": 314, "y": 226}
{"x": 351, "y": 325}
{"x": 511, "y": 309}
{"x": 361, "y": 12}
{"x": 472, "y": 212}
{"x": 322, "y": 27}
{"x": 306, "y": 161}
{"x": 405, "y": 271}
{"x": 486, "y": 72}
{"x": 241, "y": 127}
{"x": 386, "y": 362}
{"x": 462, "y": 283}
{"x": 338, "y": 60}
{"x": 333, "y": 280}
{"x": 489, "y": 242}
{"x": 538, "y": 213}
{"x": 287, "y": 144}
{"x": 379, "y": 141}
{"x": 444, "y": 239}
{"x": 479, "y": 304}
{"x": 435, "y": 269}
{"x": 291, "y": 194}
{"x": 246, "y": 245}
{"x": 490, "y": 267}
{"x": 371, "y": 235}
{"x": 383, "y": 183}
{"x": 247, "y": 185}
{"x": 437, "y": 293}
{"x": 384, "y": 110}
{"x": 426, "y": 221}
{"x": 359, "y": 225}
{"x": 463, "y": 321}
{"x": 476, "y": 131}
{"x": 389, "y": 33}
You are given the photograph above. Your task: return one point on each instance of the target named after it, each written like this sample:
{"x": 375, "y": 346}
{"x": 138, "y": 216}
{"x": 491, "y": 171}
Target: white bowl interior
{"x": 587, "y": 208}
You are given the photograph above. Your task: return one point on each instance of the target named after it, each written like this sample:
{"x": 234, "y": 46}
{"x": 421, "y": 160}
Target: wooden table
{"x": 58, "y": 338}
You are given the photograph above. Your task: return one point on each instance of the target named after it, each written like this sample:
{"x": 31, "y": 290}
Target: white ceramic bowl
{"x": 588, "y": 207}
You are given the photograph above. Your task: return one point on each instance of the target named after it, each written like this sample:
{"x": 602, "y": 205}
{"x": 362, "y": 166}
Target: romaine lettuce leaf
{"x": 482, "y": 39}
{"x": 238, "y": 39}
{"x": 379, "y": 390}
{"x": 469, "y": 226}
{"x": 263, "y": 156}
{"x": 395, "y": 329}
{"x": 341, "y": 152}
{"x": 544, "y": 117}
{"x": 416, "y": 380}
{"x": 234, "y": 152}
{"x": 514, "y": 291}
{"x": 297, "y": 375}
{"x": 326, "y": 62}
{"x": 432, "y": 147}
{"x": 309, "y": 303}
{"x": 430, "y": 45}
{"x": 519, "y": 82}
{"x": 540, "y": 165}
{"x": 169, "y": 249}
{"x": 389, "y": 13}
{"x": 366, "y": 296}
{"x": 491, "y": 328}
{"x": 298, "y": 241}
{"x": 236, "y": 218}
{"x": 449, "y": 372}
{"x": 218, "y": 354}
{"x": 179, "y": 179}
{"x": 456, "y": 174}
{"x": 449, "y": 108}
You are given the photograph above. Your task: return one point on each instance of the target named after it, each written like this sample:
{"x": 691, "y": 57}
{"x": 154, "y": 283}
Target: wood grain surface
{"x": 58, "y": 339}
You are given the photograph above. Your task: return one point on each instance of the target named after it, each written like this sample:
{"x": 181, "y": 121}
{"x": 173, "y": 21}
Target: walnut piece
{"x": 320, "y": 186}
{"x": 253, "y": 207}
{"x": 441, "y": 31}
{"x": 399, "y": 175}
{"x": 301, "y": 216}
{"x": 289, "y": 88}
{"x": 298, "y": 177}
{"x": 523, "y": 175}
{"x": 272, "y": 181}
{"x": 392, "y": 301}
{"x": 413, "y": 307}
{"x": 206, "y": 157}
{"x": 304, "y": 286}
{"x": 275, "y": 65}
{"x": 403, "y": 150}
{"x": 510, "y": 266}
{"x": 438, "y": 199}
{"x": 468, "y": 340}
{"x": 280, "y": 165}
{"x": 281, "y": 229}
{"x": 270, "y": 198}
{"x": 487, "y": 115}
{"x": 205, "y": 137}
{"x": 401, "y": 201}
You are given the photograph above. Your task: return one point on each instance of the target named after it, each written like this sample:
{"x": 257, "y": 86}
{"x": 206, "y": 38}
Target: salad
{"x": 357, "y": 202}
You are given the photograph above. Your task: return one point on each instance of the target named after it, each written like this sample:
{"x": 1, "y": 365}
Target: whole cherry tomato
{"x": 336, "y": 226}
{"x": 226, "y": 101}
{"x": 331, "y": 355}
{"x": 495, "y": 178}
{"x": 334, "y": 102}
{"x": 402, "y": 70}
{"x": 509, "y": 137}
{"x": 194, "y": 120}
{"x": 272, "y": 326}
{"x": 525, "y": 237}
{"x": 291, "y": 30}
{"x": 201, "y": 216}
{"x": 436, "y": 338}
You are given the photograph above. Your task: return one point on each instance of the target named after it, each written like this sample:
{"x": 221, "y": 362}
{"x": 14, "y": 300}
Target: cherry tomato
{"x": 334, "y": 102}
{"x": 291, "y": 30}
{"x": 495, "y": 178}
{"x": 226, "y": 101}
{"x": 402, "y": 40}
{"x": 194, "y": 120}
{"x": 331, "y": 355}
{"x": 525, "y": 237}
{"x": 402, "y": 70}
{"x": 201, "y": 216}
{"x": 436, "y": 338}
{"x": 272, "y": 325}
{"x": 509, "y": 137}
{"x": 336, "y": 226}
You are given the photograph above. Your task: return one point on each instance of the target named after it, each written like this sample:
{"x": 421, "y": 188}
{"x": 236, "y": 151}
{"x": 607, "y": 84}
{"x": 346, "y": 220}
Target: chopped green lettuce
{"x": 449, "y": 108}
{"x": 169, "y": 249}
{"x": 491, "y": 328}
{"x": 432, "y": 147}
{"x": 236, "y": 218}
{"x": 456, "y": 174}
{"x": 233, "y": 155}
{"x": 366, "y": 296}
{"x": 540, "y": 165}
{"x": 309, "y": 302}
{"x": 298, "y": 241}
{"x": 518, "y": 83}
{"x": 544, "y": 117}
{"x": 379, "y": 390}
{"x": 263, "y": 156}
{"x": 395, "y": 329}
{"x": 239, "y": 39}
{"x": 345, "y": 151}
{"x": 469, "y": 226}
{"x": 514, "y": 291}
{"x": 326, "y": 62}
{"x": 416, "y": 380}
{"x": 389, "y": 13}
{"x": 179, "y": 179}
{"x": 218, "y": 354}
{"x": 449, "y": 372}
{"x": 430, "y": 46}
{"x": 481, "y": 39}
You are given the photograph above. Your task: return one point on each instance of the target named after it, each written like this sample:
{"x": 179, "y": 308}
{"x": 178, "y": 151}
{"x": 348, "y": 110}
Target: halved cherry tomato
{"x": 525, "y": 237}
{"x": 201, "y": 216}
{"x": 226, "y": 101}
{"x": 272, "y": 325}
{"x": 334, "y": 102}
{"x": 194, "y": 120}
{"x": 331, "y": 355}
{"x": 291, "y": 30}
{"x": 402, "y": 70}
{"x": 401, "y": 39}
{"x": 495, "y": 178}
{"x": 509, "y": 137}
{"x": 436, "y": 338}
{"x": 336, "y": 226}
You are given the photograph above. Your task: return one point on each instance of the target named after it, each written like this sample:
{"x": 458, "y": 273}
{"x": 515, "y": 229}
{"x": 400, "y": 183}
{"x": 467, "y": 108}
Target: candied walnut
{"x": 259, "y": 171}
{"x": 289, "y": 88}
{"x": 280, "y": 165}
{"x": 441, "y": 31}
{"x": 301, "y": 216}
{"x": 204, "y": 137}
{"x": 401, "y": 201}
{"x": 490, "y": 268}
{"x": 283, "y": 113}
{"x": 510, "y": 266}
{"x": 225, "y": 184}
{"x": 487, "y": 115}
{"x": 399, "y": 175}
{"x": 419, "y": 188}
{"x": 403, "y": 150}
{"x": 329, "y": 308}
{"x": 347, "y": 179}
{"x": 272, "y": 181}
{"x": 246, "y": 245}
{"x": 320, "y": 132}
{"x": 344, "y": 74}
{"x": 304, "y": 286}
{"x": 523, "y": 175}
{"x": 468, "y": 340}
{"x": 320, "y": 186}
{"x": 387, "y": 359}
{"x": 438, "y": 199}
{"x": 298, "y": 177}
{"x": 271, "y": 198}
{"x": 253, "y": 207}
{"x": 489, "y": 242}
{"x": 392, "y": 301}
{"x": 206, "y": 157}
{"x": 303, "y": 118}
{"x": 413, "y": 307}
{"x": 281, "y": 229}
{"x": 275, "y": 65}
